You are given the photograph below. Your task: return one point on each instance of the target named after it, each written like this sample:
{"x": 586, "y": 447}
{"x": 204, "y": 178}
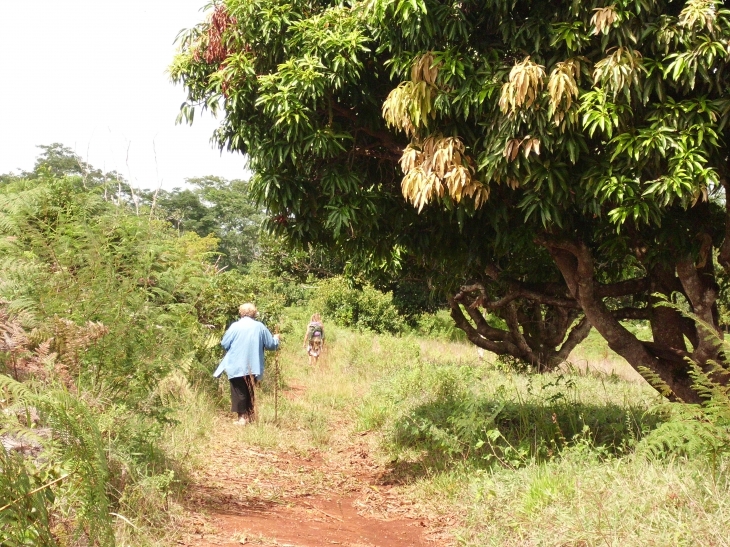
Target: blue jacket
{"x": 244, "y": 342}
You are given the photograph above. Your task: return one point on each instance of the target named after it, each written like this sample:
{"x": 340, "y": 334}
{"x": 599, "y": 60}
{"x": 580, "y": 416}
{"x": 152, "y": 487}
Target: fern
{"x": 78, "y": 450}
{"x": 693, "y": 429}
{"x": 97, "y": 305}
{"x": 24, "y": 518}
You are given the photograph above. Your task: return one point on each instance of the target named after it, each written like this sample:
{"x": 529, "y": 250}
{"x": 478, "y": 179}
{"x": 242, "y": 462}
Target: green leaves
{"x": 600, "y": 123}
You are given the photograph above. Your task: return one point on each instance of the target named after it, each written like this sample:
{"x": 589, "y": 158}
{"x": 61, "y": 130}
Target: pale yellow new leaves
{"x": 410, "y": 104}
{"x": 703, "y": 12}
{"x": 425, "y": 69}
{"x": 603, "y": 18}
{"x": 619, "y": 69}
{"x": 563, "y": 88}
{"x": 436, "y": 166}
{"x": 525, "y": 82}
{"x": 528, "y": 145}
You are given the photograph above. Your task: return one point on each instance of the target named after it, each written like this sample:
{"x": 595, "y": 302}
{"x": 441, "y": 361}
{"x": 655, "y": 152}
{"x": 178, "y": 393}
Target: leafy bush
{"x": 217, "y": 305}
{"x": 439, "y": 325}
{"x": 365, "y": 308}
{"x": 413, "y": 300}
{"x": 97, "y": 305}
{"x": 697, "y": 429}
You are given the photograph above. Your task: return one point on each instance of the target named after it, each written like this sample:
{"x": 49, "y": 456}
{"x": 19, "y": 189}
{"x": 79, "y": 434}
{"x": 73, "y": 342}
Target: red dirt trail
{"x": 244, "y": 496}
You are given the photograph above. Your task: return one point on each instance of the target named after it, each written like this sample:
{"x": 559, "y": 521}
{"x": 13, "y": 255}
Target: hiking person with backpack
{"x": 314, "y": 339}
{"x": 245, "y": 342}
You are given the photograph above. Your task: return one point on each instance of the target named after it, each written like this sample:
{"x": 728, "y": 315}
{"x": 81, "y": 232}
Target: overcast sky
{"x": 90, "y": 74}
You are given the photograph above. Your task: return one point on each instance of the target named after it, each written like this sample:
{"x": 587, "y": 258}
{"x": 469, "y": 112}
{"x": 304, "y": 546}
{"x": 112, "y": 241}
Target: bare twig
{"x": 159, "y": 181}
{"x": 135, "y": 198}
{"x": 276, "y": 380}
{"x": 35, "y": 491}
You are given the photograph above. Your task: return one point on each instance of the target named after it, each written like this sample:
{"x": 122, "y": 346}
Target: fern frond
{"x": 15, "y": 392}
{"x": 78, "y": 445}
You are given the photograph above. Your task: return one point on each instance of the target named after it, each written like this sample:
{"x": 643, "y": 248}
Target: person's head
{"x": 316, "y": 318}
{"x": 247, "y": 310}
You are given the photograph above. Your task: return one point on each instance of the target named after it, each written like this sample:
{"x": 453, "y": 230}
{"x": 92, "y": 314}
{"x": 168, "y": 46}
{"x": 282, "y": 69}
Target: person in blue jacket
{"x": 244, "y": 342}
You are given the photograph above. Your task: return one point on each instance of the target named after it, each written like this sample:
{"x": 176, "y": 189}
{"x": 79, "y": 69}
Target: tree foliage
{"x": 567, "y": 158}
{"x": 218, "y": 207}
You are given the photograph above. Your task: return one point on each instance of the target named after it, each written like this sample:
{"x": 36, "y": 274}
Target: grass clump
{"x": 438, "y": 413}
{"x": 584, "y": 499}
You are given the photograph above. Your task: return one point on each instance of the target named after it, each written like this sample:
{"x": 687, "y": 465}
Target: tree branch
{"x": 515, "y": 291}
{"x": 517, "y": 337}
{"x": 471, "y": 333}
{"x": 623, "y": 288}
{"x": 576, "y": 264}
{"x": 702, "y": 298}
{"x": 579, "y": 333}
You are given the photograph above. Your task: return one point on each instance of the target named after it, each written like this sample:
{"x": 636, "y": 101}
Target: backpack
{"x": 315, "y": 331}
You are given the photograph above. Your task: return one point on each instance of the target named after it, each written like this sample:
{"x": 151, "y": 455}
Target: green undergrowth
{"x": 586, "y": 499}
{"x": 106, "y": 321}
{"x": 106, "y": 474}
{"x": 560, "y": 459}
{"x": 570, "y": 458}
{"x": 437, "y": 413}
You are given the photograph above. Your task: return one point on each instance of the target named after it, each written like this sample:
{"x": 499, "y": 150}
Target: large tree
{"x": 568, "y": 159}
{"x": 213, "y": 205}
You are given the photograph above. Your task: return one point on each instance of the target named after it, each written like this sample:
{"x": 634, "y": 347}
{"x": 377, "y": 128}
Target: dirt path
{"x": 257, "y": 496}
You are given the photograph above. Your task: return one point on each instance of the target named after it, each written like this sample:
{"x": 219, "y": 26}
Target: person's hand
{"x": 277, "y": 337}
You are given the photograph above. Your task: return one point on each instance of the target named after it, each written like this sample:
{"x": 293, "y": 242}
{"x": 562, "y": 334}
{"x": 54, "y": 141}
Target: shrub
{"x": 439, "y": 325}
{"x": 97, "y": 305}
{"x": 217, "y": 305}
{"x": 365, "y": 308}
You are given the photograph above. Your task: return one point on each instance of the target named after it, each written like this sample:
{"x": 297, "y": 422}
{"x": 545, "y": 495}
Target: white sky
{"x": 90, "y": 74}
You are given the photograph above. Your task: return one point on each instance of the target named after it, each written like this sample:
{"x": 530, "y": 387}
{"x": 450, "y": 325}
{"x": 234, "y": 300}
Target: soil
{"x": 247, "y": 496}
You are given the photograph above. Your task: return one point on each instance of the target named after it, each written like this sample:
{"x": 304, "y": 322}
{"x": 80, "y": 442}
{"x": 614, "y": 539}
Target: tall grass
{"x": 578, "y": 457}
{"x": 152, "y": 503}
{"x": 588, "y": 500}
{"x": 440, "y": 412}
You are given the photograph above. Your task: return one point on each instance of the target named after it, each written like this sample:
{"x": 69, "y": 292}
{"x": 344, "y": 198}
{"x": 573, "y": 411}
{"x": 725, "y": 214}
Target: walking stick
{"x": 276, "y": 381}
{"x": 276, "y": 387}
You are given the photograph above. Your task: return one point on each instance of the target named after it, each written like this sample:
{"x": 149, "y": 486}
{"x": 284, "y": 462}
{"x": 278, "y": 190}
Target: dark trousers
{"x": 242, "y": 395}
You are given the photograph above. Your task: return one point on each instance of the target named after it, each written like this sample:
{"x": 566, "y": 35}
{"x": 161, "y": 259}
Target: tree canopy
{"x": 215, "y": 206}
{"x": 563, "y": 163}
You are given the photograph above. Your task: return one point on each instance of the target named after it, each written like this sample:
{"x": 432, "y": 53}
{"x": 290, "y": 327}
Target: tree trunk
{"x": 539, "y": 334}
{"x": 665, "y": 357}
